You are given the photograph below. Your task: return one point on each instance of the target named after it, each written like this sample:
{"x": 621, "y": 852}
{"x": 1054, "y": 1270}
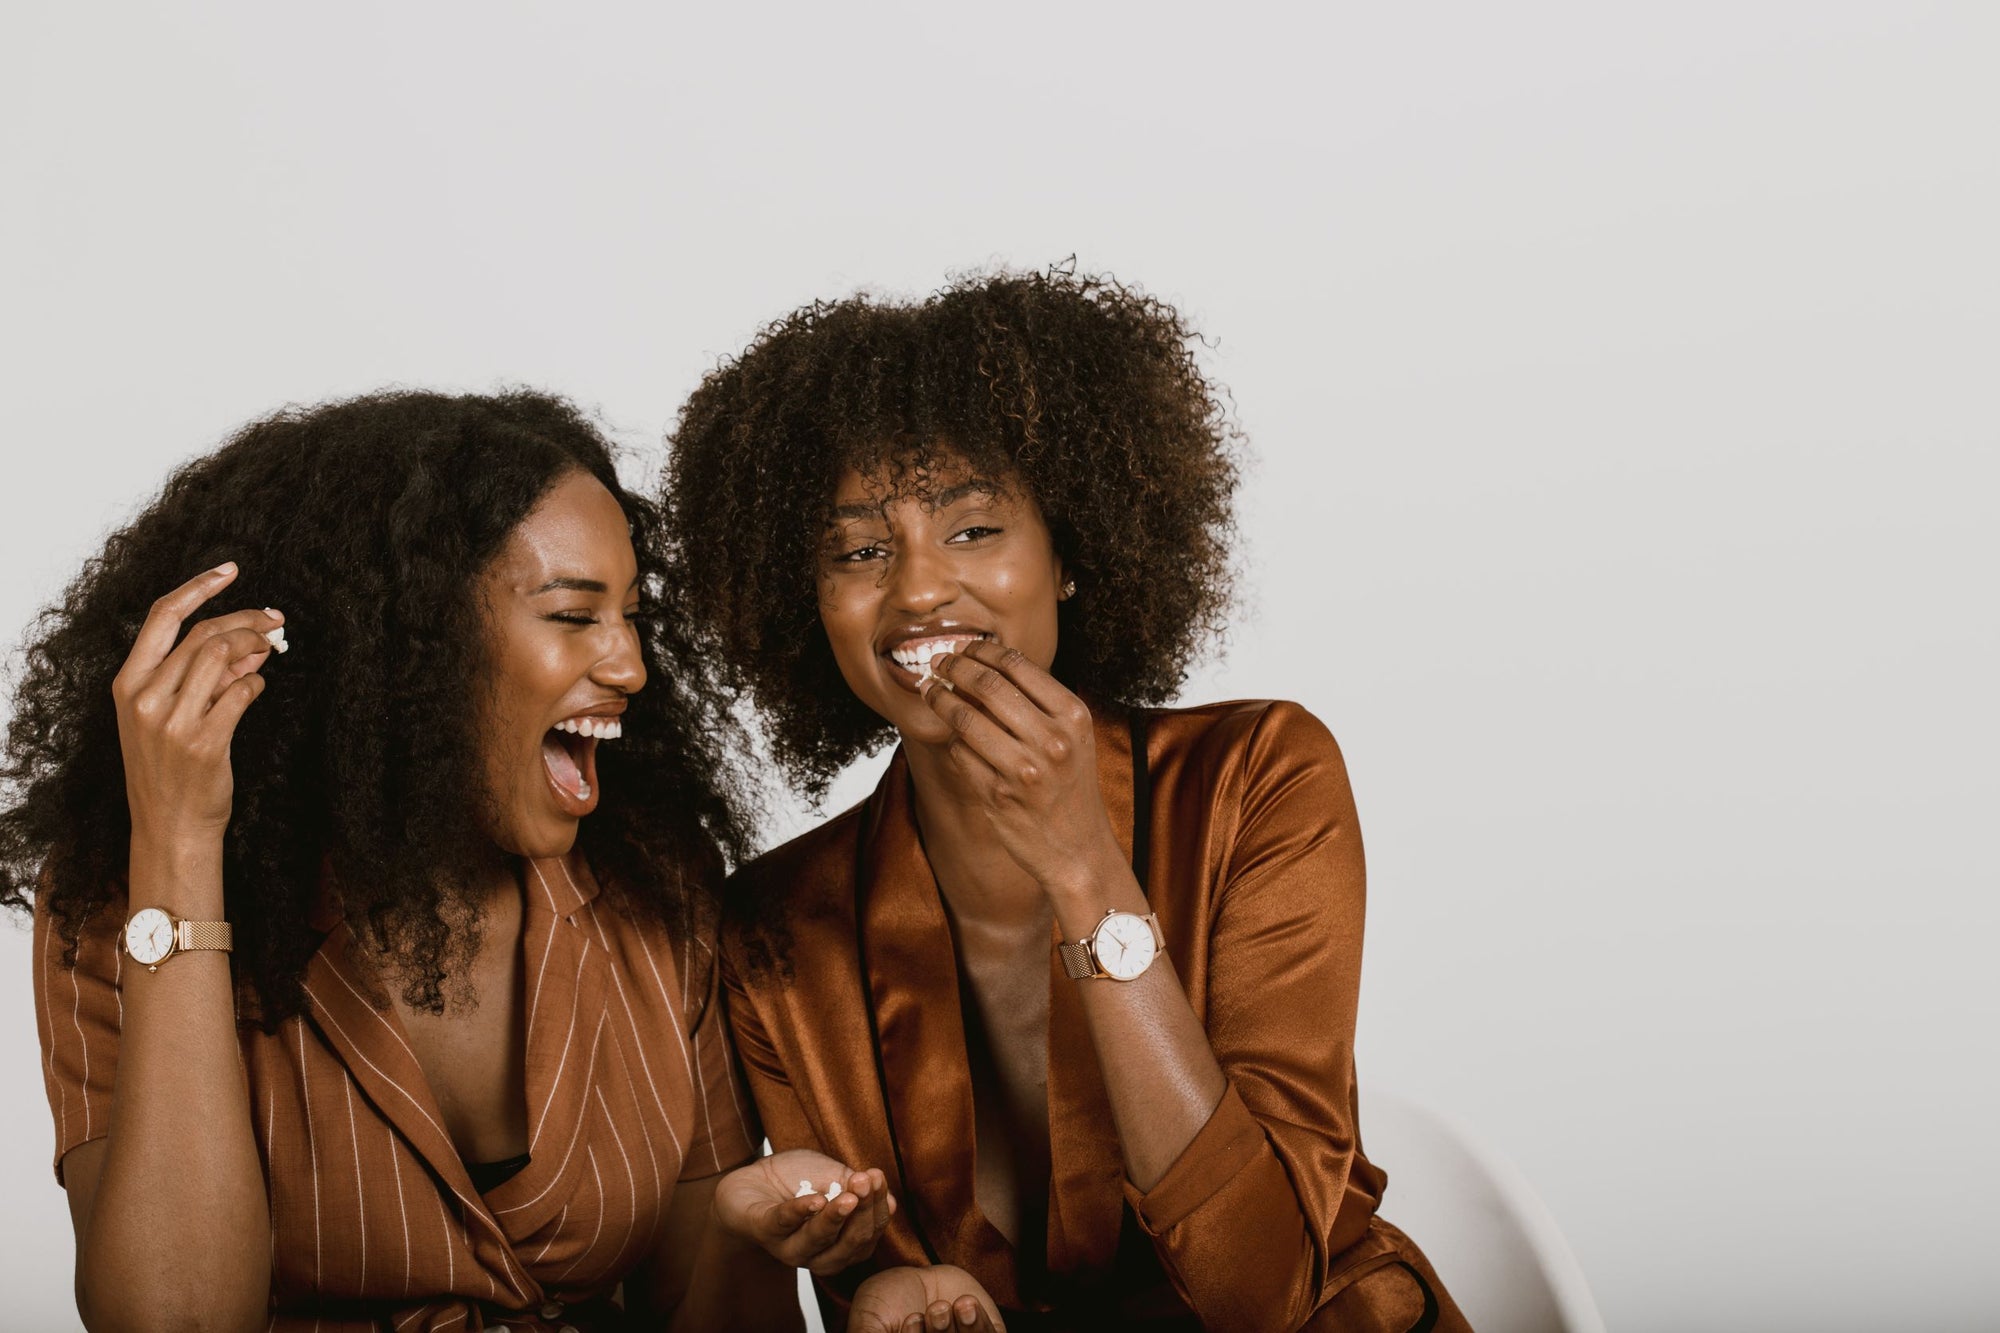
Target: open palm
{"x": 757, "y": 1202}
{"x": 890, "y": 1300}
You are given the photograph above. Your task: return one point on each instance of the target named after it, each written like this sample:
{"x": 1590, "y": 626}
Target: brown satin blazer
{"x": 1254, "y": 868}
{"x": 375, "y": 1223}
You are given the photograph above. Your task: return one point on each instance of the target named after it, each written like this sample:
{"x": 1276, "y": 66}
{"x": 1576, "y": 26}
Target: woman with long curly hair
{"x": 1083, "y": 969}
{"x": 372, "y": 876}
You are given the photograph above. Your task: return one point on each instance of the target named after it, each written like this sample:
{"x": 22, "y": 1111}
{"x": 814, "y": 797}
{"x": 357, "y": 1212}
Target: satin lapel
{"x": 568, "y": 992}
{"x": 912, "y": 973}
{"x": 1086, "y": 1166}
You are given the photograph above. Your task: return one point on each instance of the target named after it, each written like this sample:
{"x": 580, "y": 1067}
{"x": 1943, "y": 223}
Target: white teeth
{"x": 917, "y": 653}
{"x": 598, "y": 728}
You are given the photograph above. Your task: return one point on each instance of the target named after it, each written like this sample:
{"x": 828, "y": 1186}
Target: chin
{"x": 923, "y": 727}
{"x": 546, "y": 838}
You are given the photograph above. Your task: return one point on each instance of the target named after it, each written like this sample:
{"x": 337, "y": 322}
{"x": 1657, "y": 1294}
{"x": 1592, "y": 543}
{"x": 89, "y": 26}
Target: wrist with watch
{"x": 1120, "y": 948}
{"x": 152, "y": 936}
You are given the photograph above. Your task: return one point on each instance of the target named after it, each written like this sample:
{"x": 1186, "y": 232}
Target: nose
{"x": 921, "y": 578}
{"x": 620, "y": 666}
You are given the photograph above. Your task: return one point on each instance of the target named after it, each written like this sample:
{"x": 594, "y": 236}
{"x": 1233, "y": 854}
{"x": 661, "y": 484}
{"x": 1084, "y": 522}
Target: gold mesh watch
{"x": 1121, "y": 948}
{"x": 152, "y": 937}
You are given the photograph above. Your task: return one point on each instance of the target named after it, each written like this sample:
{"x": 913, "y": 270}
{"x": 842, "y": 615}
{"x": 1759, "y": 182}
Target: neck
{"x": 978, "y": 880}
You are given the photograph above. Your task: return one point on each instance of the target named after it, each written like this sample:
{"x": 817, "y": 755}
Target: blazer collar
{"x": 568, "y": 990}
{"x": 912, "y": 974}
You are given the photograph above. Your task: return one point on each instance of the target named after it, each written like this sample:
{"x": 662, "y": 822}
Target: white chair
{"x": 1478, "y": 1221}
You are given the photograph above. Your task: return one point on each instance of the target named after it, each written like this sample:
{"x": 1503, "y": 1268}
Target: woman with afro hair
{"x": 1082, "y": 972}
{"x": 372, "y": 876}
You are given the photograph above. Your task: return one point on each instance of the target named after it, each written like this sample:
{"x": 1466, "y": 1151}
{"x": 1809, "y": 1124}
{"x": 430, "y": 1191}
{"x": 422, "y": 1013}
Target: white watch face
{"x": 149, "y": 936}
{"x": 1124, "y": 946}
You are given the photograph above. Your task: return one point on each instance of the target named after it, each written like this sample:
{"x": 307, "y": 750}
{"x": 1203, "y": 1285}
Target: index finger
{"x": 789, "y": 1218}
{"x": 1040, "y": 688}
{"x": 163, "y": 623}
{"x": 1043, "y": 689}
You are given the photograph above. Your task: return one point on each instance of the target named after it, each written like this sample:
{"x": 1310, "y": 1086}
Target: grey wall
{"x": 1622, "y": 387}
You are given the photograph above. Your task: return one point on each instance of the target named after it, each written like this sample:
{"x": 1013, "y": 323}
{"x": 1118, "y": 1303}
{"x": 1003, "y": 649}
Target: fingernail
{"x": 968, "y": 1311}
{"x": 815, "y": 1205}
{"x": 274, "y": 613}
{"x": 226, "y": 567}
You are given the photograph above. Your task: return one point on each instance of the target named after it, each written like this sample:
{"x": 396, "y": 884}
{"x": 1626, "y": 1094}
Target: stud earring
{"x": 1068, "y": 589}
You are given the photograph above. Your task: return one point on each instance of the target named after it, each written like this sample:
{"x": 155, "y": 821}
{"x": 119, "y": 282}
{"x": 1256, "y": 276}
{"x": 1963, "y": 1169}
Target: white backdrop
{"x": 1622, "y": 385}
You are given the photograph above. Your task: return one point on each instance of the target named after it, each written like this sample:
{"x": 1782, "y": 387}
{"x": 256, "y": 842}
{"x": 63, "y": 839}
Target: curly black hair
{"x": 1083, "y": 391}
{"x": 368, "y": 521}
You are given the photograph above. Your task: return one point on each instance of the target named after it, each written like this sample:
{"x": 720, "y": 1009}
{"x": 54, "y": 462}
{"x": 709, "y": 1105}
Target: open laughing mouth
{"x": 569, "y": 754}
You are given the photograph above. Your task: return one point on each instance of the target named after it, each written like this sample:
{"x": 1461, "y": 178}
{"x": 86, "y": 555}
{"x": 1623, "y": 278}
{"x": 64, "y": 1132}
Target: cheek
{"x": 849, "y": 623}
{"x": 1028, "y": 595}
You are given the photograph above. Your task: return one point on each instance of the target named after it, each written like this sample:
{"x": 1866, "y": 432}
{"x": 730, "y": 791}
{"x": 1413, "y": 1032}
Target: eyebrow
{"x": 576, "y": 585}
{"x": 944, "y": 499}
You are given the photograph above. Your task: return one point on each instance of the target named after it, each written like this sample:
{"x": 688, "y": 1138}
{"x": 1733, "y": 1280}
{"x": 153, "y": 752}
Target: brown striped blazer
{"x": 374, "y": 1221}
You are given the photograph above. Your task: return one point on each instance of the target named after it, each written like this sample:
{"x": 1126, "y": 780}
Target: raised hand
{"x": 1026, "y": 744}
{"x": 909, "y": 1300}
{"x": 758, "y": 1203}
{"x": 178, "y": 706}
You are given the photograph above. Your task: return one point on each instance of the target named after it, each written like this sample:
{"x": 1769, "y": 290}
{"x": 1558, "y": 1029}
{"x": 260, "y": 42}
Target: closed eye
{"x": 635, "y": 615}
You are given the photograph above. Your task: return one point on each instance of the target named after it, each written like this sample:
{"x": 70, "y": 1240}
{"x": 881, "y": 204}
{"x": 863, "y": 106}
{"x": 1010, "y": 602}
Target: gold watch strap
{"x": 1076, "y": 960}
{"x": 204, "y": 935}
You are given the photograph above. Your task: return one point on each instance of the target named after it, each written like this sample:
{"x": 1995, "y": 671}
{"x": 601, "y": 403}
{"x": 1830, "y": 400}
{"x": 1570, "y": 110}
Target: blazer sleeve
{"x": 77, "y": 1014}
{"x": 784, "y": 1119}
{"x": 1249, "y": 1221}
{"x": 726, "y": 1133}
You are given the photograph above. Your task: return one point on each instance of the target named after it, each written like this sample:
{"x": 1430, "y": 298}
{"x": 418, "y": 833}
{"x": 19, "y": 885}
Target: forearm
{"x": 176, "y": 1231}
{"x": 1167, "y": 1090}
{"x": 1160, "y": 1073}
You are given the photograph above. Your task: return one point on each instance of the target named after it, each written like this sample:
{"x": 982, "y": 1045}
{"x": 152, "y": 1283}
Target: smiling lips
{"x": 914, "y": 655}
{"x": 569, "y": 753}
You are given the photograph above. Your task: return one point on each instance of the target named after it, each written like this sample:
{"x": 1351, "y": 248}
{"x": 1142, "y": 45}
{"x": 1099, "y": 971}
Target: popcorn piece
{"x": 276, "y": 638}
{"x": 832, "y": 1191}
{"x": 805, "y": 1188}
